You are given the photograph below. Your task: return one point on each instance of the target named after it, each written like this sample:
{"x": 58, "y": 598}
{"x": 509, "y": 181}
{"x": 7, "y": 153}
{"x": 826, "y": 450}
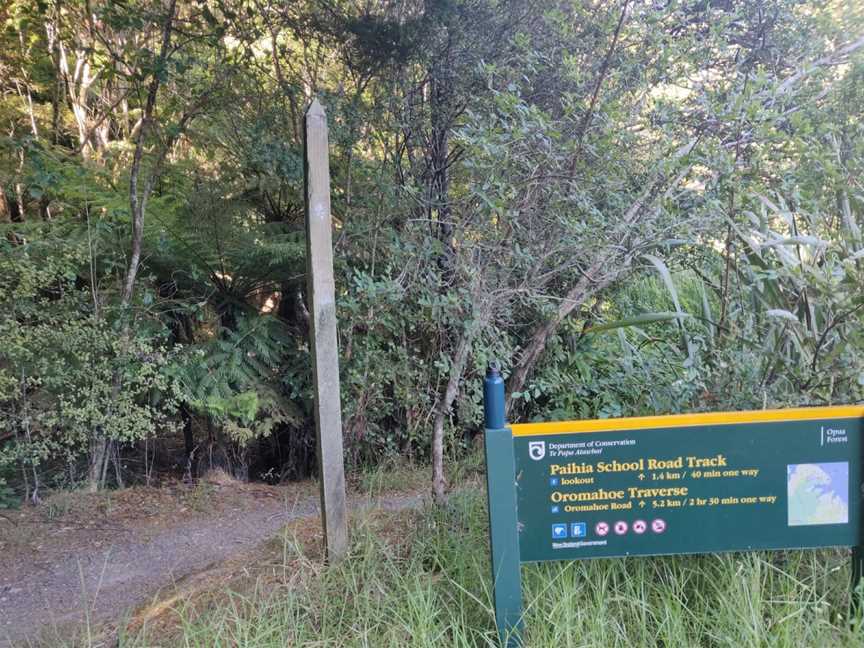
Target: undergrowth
{"x": 424, "y": 581}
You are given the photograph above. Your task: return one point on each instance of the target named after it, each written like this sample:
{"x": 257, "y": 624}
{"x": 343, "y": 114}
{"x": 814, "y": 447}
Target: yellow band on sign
{"x": 688, "y": 420}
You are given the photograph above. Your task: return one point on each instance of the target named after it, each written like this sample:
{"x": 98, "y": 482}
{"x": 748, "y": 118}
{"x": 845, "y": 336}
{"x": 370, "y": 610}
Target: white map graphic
{"x": 818, "y": 493}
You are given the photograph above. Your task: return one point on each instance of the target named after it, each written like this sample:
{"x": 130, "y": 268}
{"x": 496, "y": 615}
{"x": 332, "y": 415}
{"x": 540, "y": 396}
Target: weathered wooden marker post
{"x": 661, "y": 485}
{"x": 322, "y": 333}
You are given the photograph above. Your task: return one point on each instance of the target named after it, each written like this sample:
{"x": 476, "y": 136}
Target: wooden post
{"x": 322, "y": 334}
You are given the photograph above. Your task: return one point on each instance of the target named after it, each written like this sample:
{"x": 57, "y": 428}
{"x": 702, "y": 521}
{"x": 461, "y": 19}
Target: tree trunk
{"x": 19, "y": 201}
{"x": 103, "y": 449}
{"x": 5, "y": 212}
{"x": 138, "y": 203}
{"x": 442, "y": 409}
{"x": 611, "y": 262}
{"x": 19, "y": 191}
{"x": 98, "y": 454}
{"x": 52, "y": 32}
{"x": 440, "y": 217}
{"x": 115, "y": 460}
{"x": 592, "y": 281}
{"x": 445, "y": 400}
{"x": 439, "y": 209}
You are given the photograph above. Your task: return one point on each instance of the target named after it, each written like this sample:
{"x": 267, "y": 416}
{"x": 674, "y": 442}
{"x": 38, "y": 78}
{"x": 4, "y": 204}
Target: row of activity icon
{"x": 601, "y": 529}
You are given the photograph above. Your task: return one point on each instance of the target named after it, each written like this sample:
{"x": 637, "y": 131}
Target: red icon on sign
{"x": 640, "y": 526}
{"x": 601, "y": 529}
{"x": 620, "y": 527}
{"x": 658, "y": 525}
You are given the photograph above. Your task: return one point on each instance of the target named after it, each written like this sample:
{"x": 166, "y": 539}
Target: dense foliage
{"x": 638, "y": 207}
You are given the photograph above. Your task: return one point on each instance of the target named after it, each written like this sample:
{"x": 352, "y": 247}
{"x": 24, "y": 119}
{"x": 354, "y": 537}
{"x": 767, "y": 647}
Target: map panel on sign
{"x": 818, "y": 493}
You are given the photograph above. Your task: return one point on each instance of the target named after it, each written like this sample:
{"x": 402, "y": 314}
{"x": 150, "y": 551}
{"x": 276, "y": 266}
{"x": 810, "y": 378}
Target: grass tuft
{"x": 421, "y": 578}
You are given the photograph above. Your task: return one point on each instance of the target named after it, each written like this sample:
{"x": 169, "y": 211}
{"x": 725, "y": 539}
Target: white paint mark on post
{"x": 322, "y": 334}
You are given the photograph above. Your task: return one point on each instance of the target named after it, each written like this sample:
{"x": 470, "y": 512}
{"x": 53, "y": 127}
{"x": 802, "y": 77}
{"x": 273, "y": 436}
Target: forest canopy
{"x": 636, "y": 207}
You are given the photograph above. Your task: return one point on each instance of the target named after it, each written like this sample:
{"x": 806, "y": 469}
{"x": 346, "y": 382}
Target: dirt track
{"x": 103, "y": 580}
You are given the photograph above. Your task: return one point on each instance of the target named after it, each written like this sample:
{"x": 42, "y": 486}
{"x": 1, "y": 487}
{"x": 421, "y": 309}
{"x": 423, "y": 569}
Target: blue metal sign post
{"x": 503, "y": 522}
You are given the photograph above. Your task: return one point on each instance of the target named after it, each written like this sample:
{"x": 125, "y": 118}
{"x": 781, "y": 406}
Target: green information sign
{"x": 698, "y": 489}
{"x": 685, "y": 484}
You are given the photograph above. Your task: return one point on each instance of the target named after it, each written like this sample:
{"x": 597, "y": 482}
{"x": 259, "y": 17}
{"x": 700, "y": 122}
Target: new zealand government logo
{"x": 536, "y": 450}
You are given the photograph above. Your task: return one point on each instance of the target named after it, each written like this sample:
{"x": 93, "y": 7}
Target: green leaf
{"x": 637, "y": 320}
{"x": 666, "y": 276}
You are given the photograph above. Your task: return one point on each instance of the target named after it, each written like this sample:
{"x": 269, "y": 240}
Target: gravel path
{"x": 108, "y": 581}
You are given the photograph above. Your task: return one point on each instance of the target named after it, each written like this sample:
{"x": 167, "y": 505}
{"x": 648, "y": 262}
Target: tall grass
{"x": 424, "y": 581}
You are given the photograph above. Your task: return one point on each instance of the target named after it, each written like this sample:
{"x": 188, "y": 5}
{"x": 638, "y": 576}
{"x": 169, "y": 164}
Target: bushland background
{"x": 636, "y": 207}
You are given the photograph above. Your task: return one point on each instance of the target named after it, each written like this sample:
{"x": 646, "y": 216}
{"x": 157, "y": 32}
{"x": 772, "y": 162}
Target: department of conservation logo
{"x": 536, "y": 450}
